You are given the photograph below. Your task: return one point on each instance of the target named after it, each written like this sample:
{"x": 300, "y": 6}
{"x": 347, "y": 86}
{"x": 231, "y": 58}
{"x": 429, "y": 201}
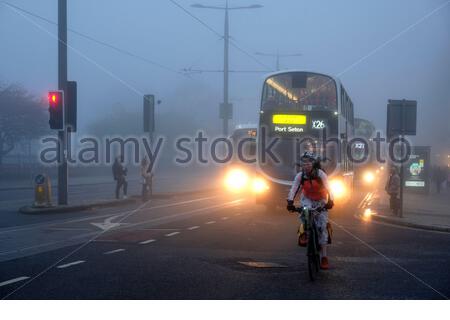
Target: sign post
{"x": 401, "y": 121}
{"x": 149, "y": 126}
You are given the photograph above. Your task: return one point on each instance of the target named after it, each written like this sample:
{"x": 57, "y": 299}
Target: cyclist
{"x": 312, "y": 183}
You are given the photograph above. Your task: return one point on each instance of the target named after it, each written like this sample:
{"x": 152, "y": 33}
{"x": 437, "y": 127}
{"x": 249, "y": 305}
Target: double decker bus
{"x": 300, "y": 111}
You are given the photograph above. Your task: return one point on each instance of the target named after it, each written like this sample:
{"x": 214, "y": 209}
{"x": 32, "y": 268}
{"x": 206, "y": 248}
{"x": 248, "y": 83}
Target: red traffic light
{"x": 56, "y": 109}
{"x": 54, "y": 98}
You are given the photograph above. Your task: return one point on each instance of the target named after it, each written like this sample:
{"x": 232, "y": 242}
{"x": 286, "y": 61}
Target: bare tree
{"x": 22, "y": 118}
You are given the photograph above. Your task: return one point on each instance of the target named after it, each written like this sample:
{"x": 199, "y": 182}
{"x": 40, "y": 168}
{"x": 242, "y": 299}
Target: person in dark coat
{"x": 120, "y": 173}
{"x": 393, "y": 190}
{"x": 147, "y": 177}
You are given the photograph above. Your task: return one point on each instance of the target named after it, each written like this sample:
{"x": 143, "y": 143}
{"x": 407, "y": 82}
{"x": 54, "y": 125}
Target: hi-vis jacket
{"x": 312, "y": 189}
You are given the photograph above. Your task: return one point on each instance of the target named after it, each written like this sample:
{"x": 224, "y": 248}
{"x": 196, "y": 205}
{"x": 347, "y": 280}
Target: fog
{"x": 380, "y": 49}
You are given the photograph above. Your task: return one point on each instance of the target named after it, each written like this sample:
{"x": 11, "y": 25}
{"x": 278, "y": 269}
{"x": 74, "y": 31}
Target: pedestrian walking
{"x": 439, "y": 177}
{"x": 120, "y": 173}
{"x": 448, "y": 178}
{"x": 393, "y": 190}
{"x": 147, "y": 176}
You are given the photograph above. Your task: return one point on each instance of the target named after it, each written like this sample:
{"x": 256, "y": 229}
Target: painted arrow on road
{"x": 107, "y": 223}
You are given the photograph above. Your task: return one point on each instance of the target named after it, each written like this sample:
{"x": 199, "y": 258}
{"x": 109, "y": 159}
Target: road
{"x": 216, "y": 246}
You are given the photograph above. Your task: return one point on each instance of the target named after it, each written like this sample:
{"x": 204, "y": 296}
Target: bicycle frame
{"x": 313, "y": 248}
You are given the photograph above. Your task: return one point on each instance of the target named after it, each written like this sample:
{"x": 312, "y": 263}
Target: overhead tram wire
{"x": 232, "y": 41}
{"x": 196, "y": 18}
{"x": 190, "y": 70}
{"x": 103, "y": 43}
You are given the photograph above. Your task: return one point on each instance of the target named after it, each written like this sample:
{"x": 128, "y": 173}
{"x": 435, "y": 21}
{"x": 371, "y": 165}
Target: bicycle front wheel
{"x": 313, "y": 257}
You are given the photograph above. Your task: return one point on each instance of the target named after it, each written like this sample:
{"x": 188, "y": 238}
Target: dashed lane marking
{"x": 193, "y": 228}
{"x": 172, "y": 234}
{"x": 62, "y": 266}
{"x": 237, "y": 214}
{"x": 5, "y": 283}
{"x": 114, "y": 251}
{"x": 224, "y": 218}
{"x": 262, "y": 264}
{"x": 147, "y": 241}
{"x": 210, "y": 222}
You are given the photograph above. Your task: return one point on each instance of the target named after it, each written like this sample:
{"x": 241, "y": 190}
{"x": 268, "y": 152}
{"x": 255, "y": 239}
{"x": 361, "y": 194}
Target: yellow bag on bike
{"x": 302, "y": 236}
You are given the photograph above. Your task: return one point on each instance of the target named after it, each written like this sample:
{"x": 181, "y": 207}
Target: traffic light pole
{"x": 225, "y": 73}
{"x": 62, "y": 85}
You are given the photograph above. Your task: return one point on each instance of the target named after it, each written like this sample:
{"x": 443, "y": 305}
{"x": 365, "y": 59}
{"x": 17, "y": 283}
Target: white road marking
{"x": 237, "y": 214}
{"x": 114, "y": 251}
{"x": 62, "y": 266}
{"x": 172, "y": 234}
{"x": 147, "y": 241}
{"x": 193, "y": 228}
{"x": 68, "y": 229}
{"x": 262, "y": 264}
{"x": 388, "y": 259}
{"x": 5, "y": 283}
{"x": 67, "y": 221}
{"x": 364, "y": 200}
{"x": 224, "y": 218}
{"x": 154, "y": 220}
{"x": 210, "y": 222}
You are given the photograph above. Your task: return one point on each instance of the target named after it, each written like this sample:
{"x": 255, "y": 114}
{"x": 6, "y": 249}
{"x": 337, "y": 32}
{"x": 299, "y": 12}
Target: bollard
{"x": 42, "y": 191}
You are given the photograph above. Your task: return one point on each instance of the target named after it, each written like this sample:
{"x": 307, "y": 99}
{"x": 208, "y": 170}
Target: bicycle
{"x": 312, "y": 233}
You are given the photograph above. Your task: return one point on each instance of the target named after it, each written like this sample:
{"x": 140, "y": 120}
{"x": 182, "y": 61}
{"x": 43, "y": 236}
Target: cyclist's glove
{"x": 329, "y": 205}
{"x": 290, "y": 205}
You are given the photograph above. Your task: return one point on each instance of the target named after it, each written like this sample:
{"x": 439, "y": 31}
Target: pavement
{"x": 216, "y": 246}
{"x": 425, "y": 211}
{"x": 85, "y": 192}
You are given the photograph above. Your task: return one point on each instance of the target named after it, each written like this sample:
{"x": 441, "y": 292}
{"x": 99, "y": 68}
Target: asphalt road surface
{"x": 215, "y": 246}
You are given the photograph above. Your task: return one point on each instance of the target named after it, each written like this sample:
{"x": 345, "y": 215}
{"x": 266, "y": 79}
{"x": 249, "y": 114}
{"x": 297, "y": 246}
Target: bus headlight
{"x": 236, "y": 180}
{"x": 338, "y": 188}
{"x": 259, "y": 185}
{"x": 368, "y": 177}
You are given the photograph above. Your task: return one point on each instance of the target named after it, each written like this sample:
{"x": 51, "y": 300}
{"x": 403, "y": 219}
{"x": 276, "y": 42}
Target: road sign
{"x": 39, "y": 179}
{"x": 417, "y": 170}
{"x": 226, "y": 111}
{"x": 401, "y": 117}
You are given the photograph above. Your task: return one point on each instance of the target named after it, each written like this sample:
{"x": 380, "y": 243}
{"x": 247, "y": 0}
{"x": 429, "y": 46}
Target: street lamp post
{"x": 226, "y": 115}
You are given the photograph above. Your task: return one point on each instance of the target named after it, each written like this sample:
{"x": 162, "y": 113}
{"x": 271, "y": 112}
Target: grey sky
{"x": 331, "y": 35}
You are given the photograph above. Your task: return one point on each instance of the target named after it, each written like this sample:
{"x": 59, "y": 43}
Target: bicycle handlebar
{"x": 301, "y": 208}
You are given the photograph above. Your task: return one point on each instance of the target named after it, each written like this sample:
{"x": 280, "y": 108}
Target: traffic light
{"x": 56, "y": 109}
